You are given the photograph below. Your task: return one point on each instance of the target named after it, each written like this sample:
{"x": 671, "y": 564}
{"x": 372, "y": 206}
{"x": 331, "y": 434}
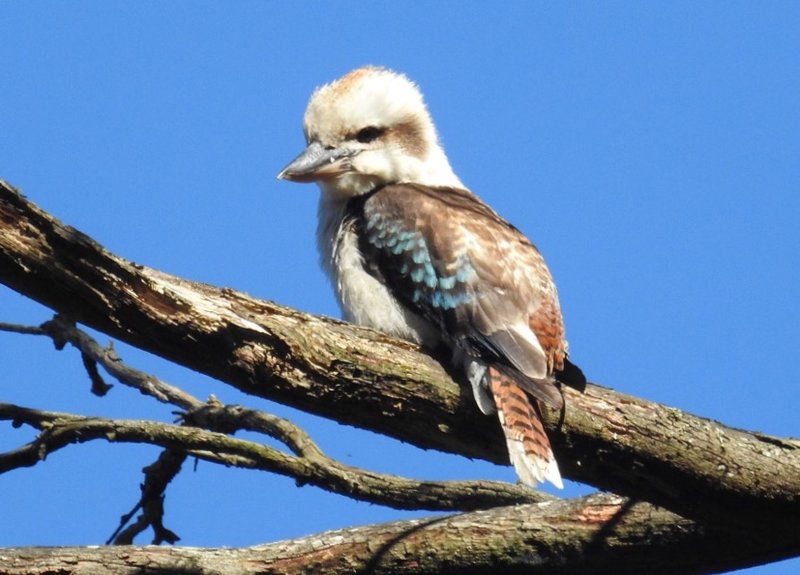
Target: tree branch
{"x": 63, "y": 331}
{"x": 693, "y": 466}
{"x": 607, "y": 534}
{"x": 327, "y": 473}
{"x": 311, "y": 466}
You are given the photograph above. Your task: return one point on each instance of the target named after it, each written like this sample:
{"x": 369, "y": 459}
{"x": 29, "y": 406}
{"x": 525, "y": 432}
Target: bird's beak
{"x": 317, "y": 163}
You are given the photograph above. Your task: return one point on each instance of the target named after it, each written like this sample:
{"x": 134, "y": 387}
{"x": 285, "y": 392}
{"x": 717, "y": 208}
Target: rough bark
{"x": 596, "y": 534}
{"x": 708, "y": 473}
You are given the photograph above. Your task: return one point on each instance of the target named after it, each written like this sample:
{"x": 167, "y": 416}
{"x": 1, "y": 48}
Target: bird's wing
{"x": 450, "y": 258}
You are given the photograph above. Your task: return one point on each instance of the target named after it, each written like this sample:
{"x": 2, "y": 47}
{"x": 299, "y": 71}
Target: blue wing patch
{"x": 406, "y": 263}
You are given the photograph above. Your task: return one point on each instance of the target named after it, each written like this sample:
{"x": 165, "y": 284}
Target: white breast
{"x": 364, "y": 300}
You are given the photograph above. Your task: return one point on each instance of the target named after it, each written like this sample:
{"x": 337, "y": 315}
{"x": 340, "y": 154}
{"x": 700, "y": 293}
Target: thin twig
{"x": 62, "y": 330}
{"x": 23, "y": 329}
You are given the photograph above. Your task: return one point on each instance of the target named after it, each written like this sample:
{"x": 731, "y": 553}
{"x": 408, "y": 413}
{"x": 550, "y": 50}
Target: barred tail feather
{"x": 528, "y": 446}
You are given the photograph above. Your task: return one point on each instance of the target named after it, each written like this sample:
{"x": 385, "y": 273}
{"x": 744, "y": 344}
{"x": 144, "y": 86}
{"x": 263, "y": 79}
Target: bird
{"x": 412, "y": 252}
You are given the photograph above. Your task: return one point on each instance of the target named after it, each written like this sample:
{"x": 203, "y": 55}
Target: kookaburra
{"x": 412, "y": 252}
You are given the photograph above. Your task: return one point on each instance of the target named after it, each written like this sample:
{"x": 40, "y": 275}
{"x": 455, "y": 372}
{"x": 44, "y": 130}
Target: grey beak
{"x": 316, "y": 163}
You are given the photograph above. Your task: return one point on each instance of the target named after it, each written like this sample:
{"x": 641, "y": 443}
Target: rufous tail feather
{"x": 528, "y": 446}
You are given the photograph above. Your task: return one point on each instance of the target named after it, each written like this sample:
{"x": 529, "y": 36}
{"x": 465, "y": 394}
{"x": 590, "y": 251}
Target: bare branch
{"x": 691, "y": 465}
{"x": 314, "y": 468}
{"x": 23, "y": 329}
{"x": 63, "y": 331}
{"x": 607, "y": 534}
{"x": 213, "y": 416}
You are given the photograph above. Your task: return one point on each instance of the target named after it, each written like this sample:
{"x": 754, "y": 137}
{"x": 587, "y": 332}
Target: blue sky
{"x": 649, "y": 149}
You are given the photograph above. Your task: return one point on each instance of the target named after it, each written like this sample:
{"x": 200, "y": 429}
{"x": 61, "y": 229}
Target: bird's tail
{"x": 520, "y": 417}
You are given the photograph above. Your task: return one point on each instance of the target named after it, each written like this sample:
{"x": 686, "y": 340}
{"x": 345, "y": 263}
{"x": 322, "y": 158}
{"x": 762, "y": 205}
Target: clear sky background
{"x": 650, "y": 149}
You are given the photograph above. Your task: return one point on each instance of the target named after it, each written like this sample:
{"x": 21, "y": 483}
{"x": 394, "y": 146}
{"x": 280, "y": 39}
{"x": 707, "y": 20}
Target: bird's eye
{"x": 369, "y": 134}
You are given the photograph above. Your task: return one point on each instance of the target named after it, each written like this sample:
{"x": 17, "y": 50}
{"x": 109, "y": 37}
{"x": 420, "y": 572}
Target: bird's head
{"x": 369, "y": 128}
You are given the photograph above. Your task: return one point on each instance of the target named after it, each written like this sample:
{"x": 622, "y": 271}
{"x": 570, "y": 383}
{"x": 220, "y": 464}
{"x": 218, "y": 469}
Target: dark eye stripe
{"x": 369, "y": 134}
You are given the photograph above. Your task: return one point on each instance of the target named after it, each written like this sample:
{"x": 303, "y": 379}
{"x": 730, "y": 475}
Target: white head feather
{"x": 405, "y": 147}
